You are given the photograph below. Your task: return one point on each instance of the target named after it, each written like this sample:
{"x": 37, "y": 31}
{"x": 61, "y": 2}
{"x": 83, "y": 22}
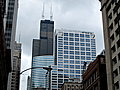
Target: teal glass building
{"x": 39, "y": 74}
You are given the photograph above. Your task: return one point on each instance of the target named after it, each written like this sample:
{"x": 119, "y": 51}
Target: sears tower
{"x": 44, "y": 45}
{"x": 42, "y": 53}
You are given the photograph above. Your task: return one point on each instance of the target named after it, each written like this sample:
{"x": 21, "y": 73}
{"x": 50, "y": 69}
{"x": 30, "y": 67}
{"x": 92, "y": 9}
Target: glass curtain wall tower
{"x": 42, "y": 54}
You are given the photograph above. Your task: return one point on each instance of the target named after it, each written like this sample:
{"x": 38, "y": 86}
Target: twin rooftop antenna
{"x": 51, "y": 13}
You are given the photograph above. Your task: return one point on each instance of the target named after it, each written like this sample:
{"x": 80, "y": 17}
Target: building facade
{"x": 5, "y": 61}
{"x": 11, "y": 21}
{"x": 42, "y": 54}
{"x": 72, "y": 86}
{"x": 72, "y": 49}
{"x": 44, "y": 45}
{"x": 39, "y": 76}
{"x": 14, "y": 81}
{"x": 29, "y": 83}
{"x": 95, "y": 77}
{"x": 111, "y": 28}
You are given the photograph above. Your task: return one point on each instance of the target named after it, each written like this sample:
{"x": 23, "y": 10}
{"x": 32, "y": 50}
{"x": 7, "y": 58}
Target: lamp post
{"x": 46, "y": 68}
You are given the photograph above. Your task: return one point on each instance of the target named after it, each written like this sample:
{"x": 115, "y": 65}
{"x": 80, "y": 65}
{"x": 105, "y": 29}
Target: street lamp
{"x": 46, "y": 68}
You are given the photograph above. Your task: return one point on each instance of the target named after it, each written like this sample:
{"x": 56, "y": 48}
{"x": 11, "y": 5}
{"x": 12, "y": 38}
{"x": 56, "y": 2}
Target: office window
{"x": 87, "y": 36}
{"x": 71, "y": 43}
{"x": 65, "y": 52}
{"x": 66, "y": 71}
{"x": 87, "y": 44}
{"x": 71, "y": 52}
{"x": 87, "y": 53}
{"x": 81, "y": 35}
{"x": 66, "y": 56}
{"x": 77, "y": 53}
{"x": 77, "y": 66}
{"x": 87, "y": 49}
{"x": 71, "y": 34}
{"x": 76, "y": 35}
{"x": 66, "y": 38}
{"x": 76, "y": 48}
{"x": 93, "y": 53}
{"x": 77, "y": 57}
{"x": 76, "y": 43}
{"x": 66, "y": 75}
{"x": 71, "y": 39}
{"x": 82, "y": 57}
{"x": 78, "y": 76}
{"x": 82, "y": 44}
{"x": 65, "y": 66}
{"x": 71, "y": 71}
{"x": 71, "y": 57}
{"x": 82, "y": 48}
{"x": 76, "y": 39}
{"x": 87, "y": 40}
{"x": 82, "y": 53}
{"x": 72, "y": 61}
{"x": 71, "y": 66}
{"x": 77, "y": 62}
{"x": 88, "y": 58}
{"x": 65, "y": 47}
{"x": 65, "y": 61}
{"x": 65, "y": 34}
{"x": 81, "y": 40}
{"x": 71, "y": 48}
{"x": 78, "y": 71}
{"x": 65, "y": 43}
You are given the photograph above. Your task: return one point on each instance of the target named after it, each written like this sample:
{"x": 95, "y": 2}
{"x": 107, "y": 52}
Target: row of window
{"x": 77, "y": 53}
{"x": 77, "y": 35}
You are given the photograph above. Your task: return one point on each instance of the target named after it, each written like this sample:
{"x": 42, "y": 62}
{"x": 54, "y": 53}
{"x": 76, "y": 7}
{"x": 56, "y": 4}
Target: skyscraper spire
{"x": 43, "y": 11}
{"x": 19, "y": 37}
{"x": 51, "y": 13}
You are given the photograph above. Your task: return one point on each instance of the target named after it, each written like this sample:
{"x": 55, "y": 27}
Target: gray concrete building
{"x": 111, "y": 28}
{"x": 10, "y": 31}
{"x": 14, "y": 79}
{"x": 29, "y": 83}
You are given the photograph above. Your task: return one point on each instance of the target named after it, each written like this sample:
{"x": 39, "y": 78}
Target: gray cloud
{"x": 83, "y": 15}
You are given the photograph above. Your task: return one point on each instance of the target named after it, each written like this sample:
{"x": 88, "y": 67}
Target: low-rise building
{"x": 95, "y": 78}
{"x": 72, "y": 86}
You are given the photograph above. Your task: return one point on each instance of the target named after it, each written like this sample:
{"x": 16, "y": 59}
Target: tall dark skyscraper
{"x": 42, "y": 54}
{"x": 44, "y": 45}
{"x": 10, "y": 32}
{"x": 46, "y": 37}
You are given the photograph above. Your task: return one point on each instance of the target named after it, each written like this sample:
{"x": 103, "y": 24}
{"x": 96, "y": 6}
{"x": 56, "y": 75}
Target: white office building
{"x": 72, "y": 49}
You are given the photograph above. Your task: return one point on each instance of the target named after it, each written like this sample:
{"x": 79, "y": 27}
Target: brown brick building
{"x": 94, "y": 78}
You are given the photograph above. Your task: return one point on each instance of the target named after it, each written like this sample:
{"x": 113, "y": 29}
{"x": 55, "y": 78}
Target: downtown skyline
{"x": 80, "y": 15}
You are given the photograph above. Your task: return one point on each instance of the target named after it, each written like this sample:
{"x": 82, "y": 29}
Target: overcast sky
{"x": 83, "y": 15}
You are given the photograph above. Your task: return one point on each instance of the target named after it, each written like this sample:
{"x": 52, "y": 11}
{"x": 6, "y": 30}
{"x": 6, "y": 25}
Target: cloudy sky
{"x": 83, "y": 15}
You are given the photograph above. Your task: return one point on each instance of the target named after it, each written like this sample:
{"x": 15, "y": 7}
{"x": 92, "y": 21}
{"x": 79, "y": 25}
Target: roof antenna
{"x": 19, "y": 37}
{"x": 51, "y": 13}
{"x": 43, "y": 11}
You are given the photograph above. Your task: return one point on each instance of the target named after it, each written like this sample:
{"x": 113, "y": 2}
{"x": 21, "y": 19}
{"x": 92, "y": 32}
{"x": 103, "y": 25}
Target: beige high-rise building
{"x": 111, "y": 28}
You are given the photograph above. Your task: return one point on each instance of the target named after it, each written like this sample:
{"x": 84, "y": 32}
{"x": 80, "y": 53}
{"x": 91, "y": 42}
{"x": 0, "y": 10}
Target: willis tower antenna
{"x": 51, "y": 13}
{"x": 43, "y": 11}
